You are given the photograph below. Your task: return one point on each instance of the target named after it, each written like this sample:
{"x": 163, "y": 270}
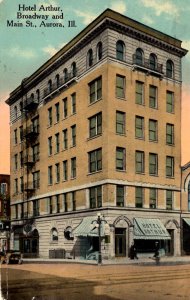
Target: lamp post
{"x": 98, "y": 222}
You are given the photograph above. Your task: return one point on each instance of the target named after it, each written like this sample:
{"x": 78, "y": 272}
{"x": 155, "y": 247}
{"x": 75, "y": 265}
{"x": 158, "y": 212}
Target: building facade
{"x": 97, "y": 129}
{"x": 4, "y": 211}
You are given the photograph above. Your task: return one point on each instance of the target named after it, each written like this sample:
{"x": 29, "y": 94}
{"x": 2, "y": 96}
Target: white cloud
{"x": 1, "y": 1}
{"x": 148, "y": 20}
{"x": 119, "y": 6}
{"x": 186, "y": 44}
{"x": 51, "y": 50}
{"x": 87, "y": 16}
{"x": 25, "y": 53}
{"x": 161, "y": 7}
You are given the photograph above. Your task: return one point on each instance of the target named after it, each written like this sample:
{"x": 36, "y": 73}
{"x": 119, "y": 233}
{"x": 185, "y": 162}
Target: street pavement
{"x": 77, "y": 281}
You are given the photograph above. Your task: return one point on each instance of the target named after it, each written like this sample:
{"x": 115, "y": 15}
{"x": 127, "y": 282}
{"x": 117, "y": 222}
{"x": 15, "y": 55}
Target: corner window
{"x": 95, "y": 160}
{"x": 50, "y": 175}
{"x": 169, "y": 199}
{"x": 120, "y": 50}
{"x": 152, "y": 96}
{"x": 73, "y": 167}
{"x": 65, "y": 75}
{"x": 50, "y": 86}
{"x": 169, "y": 134}
{"x": 120, "y": 122}
{"x": 15, "y": 112}
{"x": 74, "y": 69}
{"x": 152, "y": 198}
{"x": 120, "y": 159}
{"x": 139, "y": 197}
{"x": 139, "y": 93}
{"x": 120, "y": 195}
{"x": 90, "y": 58}
{"x": 169, "y": 102}
{"x": 153, "y": 130}
{"x": 169, "y": 166}
{"x": 95, "y": 125}
{"x": 169, "y": 69}
{"x": 95, "y": 195}
{"x": 99, "y": 51}
{"x": 57, "y": 143}
{"x": 120, "y": 86}
{"x": 139, "y": 161}
{"x": 139, "y": 127}
{"x": 73, "y": 103}
{"x": 153, "y": 164}
{"x": 57, "y": 112}
{"x": 57, "y": 78}
{"x": 95, "y": 90}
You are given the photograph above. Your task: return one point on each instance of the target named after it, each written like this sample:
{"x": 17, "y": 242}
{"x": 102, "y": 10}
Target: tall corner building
{"x": 97, "y": 130}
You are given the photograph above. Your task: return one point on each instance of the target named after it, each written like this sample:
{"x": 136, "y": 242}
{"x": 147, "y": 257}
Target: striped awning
{"x": 87, "y": 227}
{"x": 150, "y": 229}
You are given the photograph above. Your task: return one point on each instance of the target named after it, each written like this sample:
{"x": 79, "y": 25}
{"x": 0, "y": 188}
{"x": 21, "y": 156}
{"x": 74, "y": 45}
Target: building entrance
{"x": 120, "y": 242}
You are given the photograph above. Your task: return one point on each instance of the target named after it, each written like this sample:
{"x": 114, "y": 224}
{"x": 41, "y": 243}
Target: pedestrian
{"x": 156, "y": 253}
{"x": 133, "y": 252}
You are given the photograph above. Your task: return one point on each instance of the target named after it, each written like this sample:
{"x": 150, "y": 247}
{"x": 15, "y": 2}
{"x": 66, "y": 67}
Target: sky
{"x": 25, "y": 49}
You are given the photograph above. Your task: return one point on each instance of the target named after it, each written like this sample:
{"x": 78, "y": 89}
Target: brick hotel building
{"x": 97, "y": 129}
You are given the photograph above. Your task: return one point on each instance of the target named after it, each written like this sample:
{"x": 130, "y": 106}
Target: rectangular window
{"x": 57, "y": 143}
{"x": 139, "y": 98}
{"x": 120, "y": 195}
{"x": 120, "y": 159}
{"x": 65, "y": 170}
{"x": 36, "y": 180}
{"x": 50, "y": 205}
{"x": 169, "y": 134}
{"x": 36, "y": 152}
{"x": 15, "y": 137}
{"x": 120, "y": 86}
{"x": 57, "y": 202}
{"x": 73, "y": 167}
{"x": 73, "y": 103}
{"x": 153, "y": 198}
{"x": 95, "y": 160}
{"x": 57, "y": 172}
{"x": 139, "y": 127}
{"x": 21, "y": 159}
{"x": 73, "y": 135}
{"x": 95, "y": 125}
{"x": 169, "y": 199}
{"x": 95, "y": 194}
{"x": 57, "y": 112}
{"x": 152, "y": 96}
{"x": 16, "y": 186}
{"x": 139, "y": 162}
{"x": 139, "y": 197}
{"x": 50, "y": 121}
{"x": 50, "y": 175}
{"x": 35, "y": 125}
{"x": 169, "y": 166}
{"x": 65, "y": 202}
{"x": 21, "y": 133}
{"x": 16, "y": 161}
{"x": 153, "y": 164}
{"x": 50, "y": 145}
{"x": 65, "y": 139}
{"x": 36, "y": 209}
{"x": 120, "y": 122}
{"x": 153, "y": 130}
{"x": 170, "y": 102}
{"x": 65, "y": 108}
{"x": 73, "y": 200}
{"x": 21, "y": 184}
{"x": 95, "y": 89}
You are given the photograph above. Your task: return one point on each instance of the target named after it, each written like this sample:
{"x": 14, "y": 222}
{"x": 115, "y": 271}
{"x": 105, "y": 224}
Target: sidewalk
{"x": 166, "y": 260}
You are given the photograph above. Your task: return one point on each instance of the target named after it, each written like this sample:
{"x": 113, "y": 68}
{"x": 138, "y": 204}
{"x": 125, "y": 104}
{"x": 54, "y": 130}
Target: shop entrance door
{"x": 120, "y": 242}
{"x": 170, "y": 243}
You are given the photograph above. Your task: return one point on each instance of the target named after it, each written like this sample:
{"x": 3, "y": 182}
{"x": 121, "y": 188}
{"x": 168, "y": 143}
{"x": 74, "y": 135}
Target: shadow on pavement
{"x": 25, "y": 285}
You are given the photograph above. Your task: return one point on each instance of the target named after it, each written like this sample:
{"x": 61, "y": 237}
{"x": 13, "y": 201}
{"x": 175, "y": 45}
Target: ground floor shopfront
{"x": 77, "y": 235}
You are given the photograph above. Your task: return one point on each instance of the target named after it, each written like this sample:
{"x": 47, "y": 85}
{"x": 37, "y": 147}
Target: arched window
{"x": 21, "y": 105}
{"x": 15, "y": 112}
{"x": 153, "y": 61}
{"x": 54, "y": 234}
{"x": 99, "y": 51}
{"x": 189, "y": 196}
{"x": 74, "y": 69}
{"x": 169, "y": 69}
{"x": 90, "y": 58}
{"x": 65, "y": 74}
{"x": 57, "y": 78}
{"x": 50, "y": 85}
{"x": 139, "y": 57}
{"x": 120, "y": 50}
{"x": 38, "y": 95}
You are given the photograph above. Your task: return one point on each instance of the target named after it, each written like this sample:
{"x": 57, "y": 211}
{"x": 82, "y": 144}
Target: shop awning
{"x": 187, "y": 220}
{"x": 88, "y": 228}
{"x": 150, "y": 229}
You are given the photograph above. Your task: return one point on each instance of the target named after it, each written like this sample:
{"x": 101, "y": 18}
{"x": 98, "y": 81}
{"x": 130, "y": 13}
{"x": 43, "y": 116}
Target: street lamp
{"x": 98, "y": 222}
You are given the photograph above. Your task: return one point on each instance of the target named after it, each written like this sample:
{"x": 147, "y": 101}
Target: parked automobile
{"x": 11, "y": 256}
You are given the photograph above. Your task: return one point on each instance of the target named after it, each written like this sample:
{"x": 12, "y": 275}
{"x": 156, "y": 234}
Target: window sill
{"x": 72, "y": 178}
{"x": 170, "y": 145}
{"x": 49, "y": 126}
{"x": 140, "y": 173}
{"x": 56, "y": 153}
{"x": 121, "y": 134}
{"x": 154, "y": 175}
{"x": 121, "y": 98}
{"x": 56, "y": 122}
{"x": 153, "y": 141}
{"x": 170, "y": 177}
{"x": 95, "y": 172}
{"x": 50, "y": 184}
{"x": 64, "y": 149}
{"x": 73, "y": 146}
{"x": 121, "y": 171}
{"x": 94, "y": 137}
{"x": 140, "y": 138}
{"x": 95, "y": 102}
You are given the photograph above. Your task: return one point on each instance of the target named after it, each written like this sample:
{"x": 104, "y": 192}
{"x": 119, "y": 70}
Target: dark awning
{"x": 187, "y": 220}
{"x": 87, "y": 228}
{"x": 150, "y": 229}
